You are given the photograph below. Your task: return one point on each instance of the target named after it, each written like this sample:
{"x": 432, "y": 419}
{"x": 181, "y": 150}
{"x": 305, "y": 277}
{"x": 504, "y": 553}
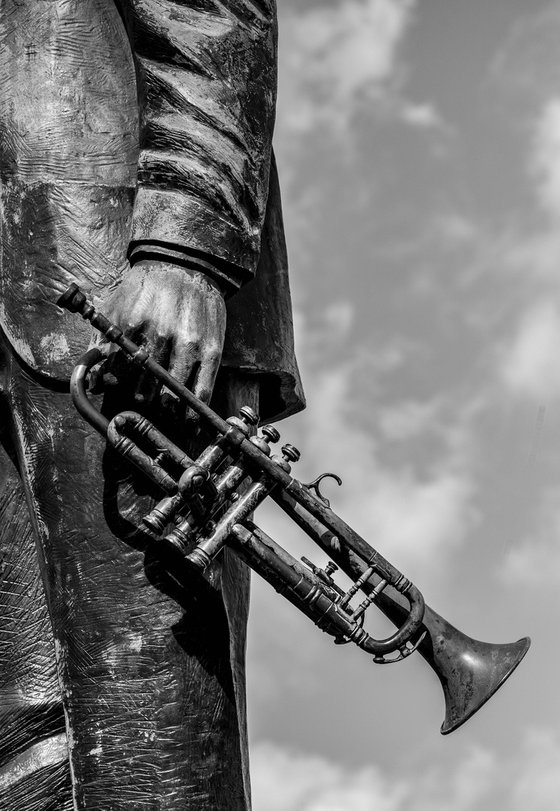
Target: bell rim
{"x": 524, "y": 644}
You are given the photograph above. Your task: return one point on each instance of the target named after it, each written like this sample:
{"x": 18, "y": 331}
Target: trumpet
{"x": 209, "y": 503}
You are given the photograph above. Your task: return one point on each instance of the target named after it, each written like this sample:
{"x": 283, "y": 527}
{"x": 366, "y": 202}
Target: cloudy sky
{"x": 419, "y": 149}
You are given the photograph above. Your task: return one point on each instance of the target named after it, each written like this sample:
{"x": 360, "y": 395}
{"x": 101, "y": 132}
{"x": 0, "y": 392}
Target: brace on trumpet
{"x": 209, "y": 502}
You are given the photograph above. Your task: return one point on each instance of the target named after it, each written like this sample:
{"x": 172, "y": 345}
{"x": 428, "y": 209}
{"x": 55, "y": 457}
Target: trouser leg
{"x": 152, "y": 676}
{"x": 34, "y": 771}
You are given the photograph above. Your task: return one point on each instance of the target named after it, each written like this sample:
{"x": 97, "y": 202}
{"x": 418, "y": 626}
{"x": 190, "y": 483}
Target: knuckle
{"x": 190, "y": 349}
{"x": 213, "y": 356}
{"x": 204, "y": 393}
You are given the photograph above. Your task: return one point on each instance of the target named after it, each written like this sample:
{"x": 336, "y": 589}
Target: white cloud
{"x": 409, "y": 418}
{"x": 453, "y": 228}
{"x": 423, "y": 116}
{"x": 336, "y": 58}
{"x": 537, "y": 783}
{"x": 545, "y": 159}
{"x": 285, "y": 780}
{"x": 339, "y": 318}
{"x": 531, "y": 365}
{"x": 417, "y": 521}
{"x": 417, "y": 517}
{"x": 533, "y": 257}
{"x": 480, "y": 780}
{"x": 525, "y": 68}
{"x": 535, "y": 561}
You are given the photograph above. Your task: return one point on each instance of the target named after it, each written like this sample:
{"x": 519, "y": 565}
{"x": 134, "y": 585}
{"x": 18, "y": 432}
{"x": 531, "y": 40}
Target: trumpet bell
{"x": 470, "y": 671}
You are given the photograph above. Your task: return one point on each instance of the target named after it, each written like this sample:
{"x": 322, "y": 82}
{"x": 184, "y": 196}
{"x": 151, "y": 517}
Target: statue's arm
{"x": 206, "y": 75}
{"x": 207, "y": 91}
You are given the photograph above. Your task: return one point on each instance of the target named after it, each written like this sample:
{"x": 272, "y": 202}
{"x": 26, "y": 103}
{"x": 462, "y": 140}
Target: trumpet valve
{"x": 325, "y": 574}
{"x": 270, "y": 433}
{"x": 246, "y": 420}
{"x": 248, "y": 415}
{"x": 289, "y": 454}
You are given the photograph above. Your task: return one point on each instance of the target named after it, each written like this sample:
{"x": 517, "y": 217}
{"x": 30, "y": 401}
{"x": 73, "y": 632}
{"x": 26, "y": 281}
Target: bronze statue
{"x": 136, "y": 160}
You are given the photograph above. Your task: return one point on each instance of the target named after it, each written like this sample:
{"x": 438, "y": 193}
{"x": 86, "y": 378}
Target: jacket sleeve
{"x": 206, "y": 76}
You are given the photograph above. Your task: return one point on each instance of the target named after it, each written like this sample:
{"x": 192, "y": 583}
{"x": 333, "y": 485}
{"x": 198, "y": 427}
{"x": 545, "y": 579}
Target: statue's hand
{"x": 177, "y": 315}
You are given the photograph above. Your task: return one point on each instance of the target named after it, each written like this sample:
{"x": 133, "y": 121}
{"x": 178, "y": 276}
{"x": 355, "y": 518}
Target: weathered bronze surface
{"x": 135, "y": 157}
{"x": 211, "y": 499}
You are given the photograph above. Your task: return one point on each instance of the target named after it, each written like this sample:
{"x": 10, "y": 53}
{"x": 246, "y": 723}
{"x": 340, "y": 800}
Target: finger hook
{"x": 315, "y": 486}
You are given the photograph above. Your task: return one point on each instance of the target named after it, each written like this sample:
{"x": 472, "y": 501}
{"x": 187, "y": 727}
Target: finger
{"x": 132, "y": 378}
{"x": 185, "y": 361}
{"x": 148, "y": 387}
{"x": 110, "y": 350}
{"x": 98, "y": 372}
{"x": 184, "y": 358}
{"x": 136, "y": 328}
{"x": 206, "y": 376}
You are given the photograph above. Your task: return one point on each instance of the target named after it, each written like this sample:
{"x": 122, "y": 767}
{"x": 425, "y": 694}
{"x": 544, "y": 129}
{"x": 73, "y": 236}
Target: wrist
{"x": 148, "y": 268}
{"x": 164, "y": 257}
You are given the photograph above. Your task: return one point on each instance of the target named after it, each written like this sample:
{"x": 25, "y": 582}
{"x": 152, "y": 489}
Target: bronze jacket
{"x": 142, "y": 126}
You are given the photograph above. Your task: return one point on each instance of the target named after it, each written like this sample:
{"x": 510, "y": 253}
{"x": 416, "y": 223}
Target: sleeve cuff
{"x": 227, "y": 280}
